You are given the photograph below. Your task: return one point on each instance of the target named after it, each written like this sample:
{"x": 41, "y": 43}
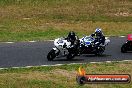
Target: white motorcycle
{"x": 60, "y": 49}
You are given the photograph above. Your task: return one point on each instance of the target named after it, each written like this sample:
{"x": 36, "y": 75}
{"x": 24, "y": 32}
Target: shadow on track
{"x": 79, "y": 58}
{"x": 90, "y": 55}
{"x": 69, "y": 60}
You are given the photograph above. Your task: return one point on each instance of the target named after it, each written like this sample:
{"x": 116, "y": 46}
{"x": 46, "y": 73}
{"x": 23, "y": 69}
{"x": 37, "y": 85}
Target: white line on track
{"x": 108, "y": 61}
{"x": 76, "y": 63}
{"x": 32, "y": 41}
{"x": 122, "y": 36}
{"x": 2, "y": 68}
{"x": 51, "y": 40}
{"x": 127, "y": 60}
{"x": 9, "y": 42}
{"x": 94, "y": 62}
{"x": 67, "y": 64}
{"x": 29, "y": 66}
{"x": 53, "y": 65}
{"x": 16, "y": 67}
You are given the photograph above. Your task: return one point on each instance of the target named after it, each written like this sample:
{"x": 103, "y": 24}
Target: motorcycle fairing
{"x": 129, "y": 37}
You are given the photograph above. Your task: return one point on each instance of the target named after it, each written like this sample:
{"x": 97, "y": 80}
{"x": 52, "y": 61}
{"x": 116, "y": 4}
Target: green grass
{"x": 61, "y": 76}
{"x": 23, "y": 20}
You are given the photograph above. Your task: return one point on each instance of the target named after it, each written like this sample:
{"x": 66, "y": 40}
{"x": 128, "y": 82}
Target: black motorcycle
{"x": 128, "y": 45}
{"x": 87, "y": 46}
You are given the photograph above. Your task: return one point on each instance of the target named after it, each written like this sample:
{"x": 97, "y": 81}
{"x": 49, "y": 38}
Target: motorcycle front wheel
{"x": 51, "y": 55}
{"x": 124, "y": 48}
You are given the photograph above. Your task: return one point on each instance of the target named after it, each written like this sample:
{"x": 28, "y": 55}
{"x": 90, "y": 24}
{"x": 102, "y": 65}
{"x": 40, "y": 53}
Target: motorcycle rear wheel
{"x": 70, "y": 56}
{"x": 100, "y": 51}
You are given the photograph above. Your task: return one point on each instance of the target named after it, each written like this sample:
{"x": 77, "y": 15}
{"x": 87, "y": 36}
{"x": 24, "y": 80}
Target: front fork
{"x": 57, "y": 51}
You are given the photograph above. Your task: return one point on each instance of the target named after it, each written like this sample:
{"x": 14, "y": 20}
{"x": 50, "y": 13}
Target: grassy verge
{"x": 61, "y": 76}
{"x": 23, "y": 20}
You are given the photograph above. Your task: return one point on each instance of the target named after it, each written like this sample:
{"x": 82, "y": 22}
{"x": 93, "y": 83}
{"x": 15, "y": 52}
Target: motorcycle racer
{"x": 75, "y": 42}
{"x": 99, "y": 36}
{"x": 72, "y": 37}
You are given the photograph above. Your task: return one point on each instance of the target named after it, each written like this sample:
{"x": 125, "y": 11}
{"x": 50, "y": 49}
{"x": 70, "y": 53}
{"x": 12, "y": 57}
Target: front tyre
{"x": 70, "y": 56}
{"x": 51, "y": 55}
{"x": 124, "y": 48}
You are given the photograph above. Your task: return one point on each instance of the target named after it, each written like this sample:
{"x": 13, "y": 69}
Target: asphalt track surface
{"x": 35, "y": 54}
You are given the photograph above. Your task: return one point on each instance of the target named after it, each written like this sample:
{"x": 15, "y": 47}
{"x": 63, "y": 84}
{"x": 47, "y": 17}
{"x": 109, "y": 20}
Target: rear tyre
{"x": 100, "y": 51}
{"x": 71, "y": 53}
{"x": 70, "y": 56}
{"x": 51, "y": 55}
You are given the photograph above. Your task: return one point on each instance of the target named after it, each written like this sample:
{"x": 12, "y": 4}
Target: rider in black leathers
{"x": 99, "y": 37}
{"x": 73, "y": 38}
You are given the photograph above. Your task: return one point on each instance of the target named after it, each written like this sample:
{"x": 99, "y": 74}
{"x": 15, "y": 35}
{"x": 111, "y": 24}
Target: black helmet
{"x": 71, "y": 33}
